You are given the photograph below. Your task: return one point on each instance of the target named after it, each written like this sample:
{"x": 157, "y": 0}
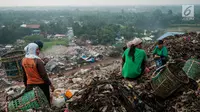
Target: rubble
{"x": 68, "y": 58}
{"x": 3, "y": 84}
{"x": 3, "y": 50}
{"x": 54, "y": 66}
{"x": 107, "y": 96}
{"x": 178, "y": 46}
{"x": 101, "y": 87}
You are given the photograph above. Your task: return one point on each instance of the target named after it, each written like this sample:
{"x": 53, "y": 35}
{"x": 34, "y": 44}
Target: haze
{"x": 5, "y": 3}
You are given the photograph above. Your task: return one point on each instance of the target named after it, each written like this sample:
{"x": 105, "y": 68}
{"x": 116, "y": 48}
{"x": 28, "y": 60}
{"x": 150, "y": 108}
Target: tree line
{"x": 101, "y": 27}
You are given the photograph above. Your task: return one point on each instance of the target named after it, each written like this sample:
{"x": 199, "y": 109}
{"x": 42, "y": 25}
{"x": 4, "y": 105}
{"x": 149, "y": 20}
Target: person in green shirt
{"x": 160, "y": 54}
{"x": 133, "y": 59}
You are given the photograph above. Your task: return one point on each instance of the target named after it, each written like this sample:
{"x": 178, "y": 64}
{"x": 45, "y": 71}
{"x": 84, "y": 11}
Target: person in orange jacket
{"x": 34, "y": 71}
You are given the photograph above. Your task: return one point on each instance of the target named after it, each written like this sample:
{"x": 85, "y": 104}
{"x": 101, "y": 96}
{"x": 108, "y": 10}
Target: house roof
{"x": 36, "y": 31}
{"x": 147, "y": 38}
{"x": 60, "y": 35}
{"x": 36, "y": 26}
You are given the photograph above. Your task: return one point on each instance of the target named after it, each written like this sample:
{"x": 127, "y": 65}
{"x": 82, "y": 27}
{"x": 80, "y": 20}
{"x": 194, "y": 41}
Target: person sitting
{"x": 133, "y": 60}
{"x": 160, "y": 54}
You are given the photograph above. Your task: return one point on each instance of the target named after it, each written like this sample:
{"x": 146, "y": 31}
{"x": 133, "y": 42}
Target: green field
{"x": 51, "y": 43}
{"x": 184, "y": 28}
{"x": 48, "y": 43}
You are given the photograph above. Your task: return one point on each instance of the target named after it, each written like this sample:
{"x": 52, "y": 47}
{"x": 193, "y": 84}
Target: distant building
{"x": 36, "y": 32}
{"x": 32, "y": 26}
{"x": 119, "y": 39}
{"x": 59, "y": 35}
{"x": 70, "y": 32}
{"x": 19, "y": 41}
{"x": 152, "y": 36}
{"x": 147, "y": 39}
{"x": 23, "y": 25}
{"x": 145, "y": 32}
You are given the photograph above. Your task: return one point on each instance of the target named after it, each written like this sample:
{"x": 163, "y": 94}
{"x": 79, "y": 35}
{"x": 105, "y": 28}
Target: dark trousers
{"x": 161, "y": 61}
{"x": 43, "y": 87}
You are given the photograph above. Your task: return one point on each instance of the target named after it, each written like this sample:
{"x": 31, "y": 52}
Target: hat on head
{"x": 135, "y": 42}
{"x": 39, "y": 43}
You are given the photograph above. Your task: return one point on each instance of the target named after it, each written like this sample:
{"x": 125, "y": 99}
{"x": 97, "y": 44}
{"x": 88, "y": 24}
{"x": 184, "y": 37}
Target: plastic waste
{"x": 76, "y": 80}
{"x": 60, "y": 96}
{"x": 58, "y": 101}
{"x": 11, "y": 92}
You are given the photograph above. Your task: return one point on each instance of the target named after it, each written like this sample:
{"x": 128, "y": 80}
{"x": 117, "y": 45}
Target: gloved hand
{"x": 46, "y": 60}
{"x": 147, "y": 70}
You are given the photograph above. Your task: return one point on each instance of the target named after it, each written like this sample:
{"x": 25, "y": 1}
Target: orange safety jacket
{"x": 30, "y": 68}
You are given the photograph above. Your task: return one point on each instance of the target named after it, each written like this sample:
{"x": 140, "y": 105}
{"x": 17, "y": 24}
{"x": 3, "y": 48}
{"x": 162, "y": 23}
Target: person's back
{"x": 31, "y": 67}
{"x": 34, "y": 71}
{"x": 133, "y": 69}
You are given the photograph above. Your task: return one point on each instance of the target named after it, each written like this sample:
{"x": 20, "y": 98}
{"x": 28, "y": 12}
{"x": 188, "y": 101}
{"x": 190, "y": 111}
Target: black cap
{"x": 39, "y": 43}
{"x": 160, "y": 42}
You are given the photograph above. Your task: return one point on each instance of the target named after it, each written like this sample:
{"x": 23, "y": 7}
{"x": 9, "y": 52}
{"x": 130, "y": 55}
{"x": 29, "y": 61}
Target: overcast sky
{"x": 93, "y": 2}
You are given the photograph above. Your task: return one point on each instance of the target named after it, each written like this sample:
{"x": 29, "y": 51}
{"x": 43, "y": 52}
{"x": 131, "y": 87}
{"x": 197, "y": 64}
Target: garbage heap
{"x": 107, "y": 96}
{"x": 67, "y": 58}
{"x": 181, "y": 45}
{"x": 116, "y": 94}
{"x": 84, "y": 77}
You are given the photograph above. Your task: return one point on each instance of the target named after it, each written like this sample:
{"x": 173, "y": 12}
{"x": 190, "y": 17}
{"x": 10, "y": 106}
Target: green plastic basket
{"x": 192, "y": 69}
{"x": 33, "y": 99}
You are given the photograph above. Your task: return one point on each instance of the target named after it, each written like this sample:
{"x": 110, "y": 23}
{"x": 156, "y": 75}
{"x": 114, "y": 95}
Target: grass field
{"x": 48, "y": 43}
{"x": 51, "y": 43}
{"x": 184, "y": 27}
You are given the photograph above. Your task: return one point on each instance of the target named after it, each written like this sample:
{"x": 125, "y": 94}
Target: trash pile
{"x": 181, "y": 45}
{"x": 3, "y": 84}
{"x": 2, "y": 51}
{"x": 104, "y": 94}
{"x": 84, "y": 77}
{"x": 107, "y": 96}
{"x": 187, "y": 102}
{"x": 101, "y": 88}
{"x": 67, "y": 58}
{"x": 2, "y": 73}
{"x": 79, "y": 80}
{"x": 55, "y": 66}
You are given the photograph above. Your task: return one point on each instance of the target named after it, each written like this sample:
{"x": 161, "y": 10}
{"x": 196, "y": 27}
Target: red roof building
{"x": 34, "y": 26}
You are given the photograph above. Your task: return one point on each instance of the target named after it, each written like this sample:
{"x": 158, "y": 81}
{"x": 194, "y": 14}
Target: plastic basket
{"x": 12, "y": 64}
{"x": 192, "y": 68}
{"x": 33, "y": 99}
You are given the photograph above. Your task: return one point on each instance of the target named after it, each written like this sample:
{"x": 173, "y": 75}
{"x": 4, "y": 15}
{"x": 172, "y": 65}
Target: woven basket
{"x": 165, "y": 80}
{"x": 192, "y": 69}
{"x": 33, "y": 99}
{"x": 12, "y": 64}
